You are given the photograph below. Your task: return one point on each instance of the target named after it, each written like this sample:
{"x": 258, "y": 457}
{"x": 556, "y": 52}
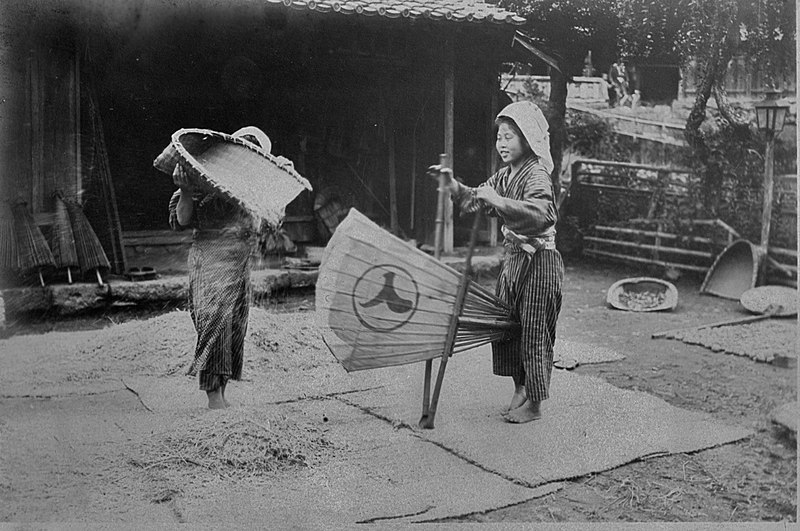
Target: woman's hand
{"x": 438, "y": 171}
{"x": 181, "y": 179}
{"x": 488, "y": 195}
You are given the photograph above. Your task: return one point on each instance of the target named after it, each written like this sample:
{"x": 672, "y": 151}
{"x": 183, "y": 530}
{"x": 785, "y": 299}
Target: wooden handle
{"x": 438, "y": 236}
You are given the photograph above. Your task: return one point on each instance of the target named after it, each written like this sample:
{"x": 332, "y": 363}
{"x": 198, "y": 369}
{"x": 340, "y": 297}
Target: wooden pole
{"x": 392, "y": 176}
{"x": 437, "y": 253}
{"x": 77, "y": 127}
{"x": 427, "y": 420}
{"x": 449, "y": 126}
{"x": 492, "y": 156}
{"x": 766, "y": 211}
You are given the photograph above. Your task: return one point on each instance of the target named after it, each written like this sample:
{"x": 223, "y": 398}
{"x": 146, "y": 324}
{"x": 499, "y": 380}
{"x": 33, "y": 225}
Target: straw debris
{"x": 242, "y": 444}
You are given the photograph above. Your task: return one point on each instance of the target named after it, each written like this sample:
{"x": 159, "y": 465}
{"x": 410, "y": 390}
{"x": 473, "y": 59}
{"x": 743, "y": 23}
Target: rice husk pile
{"x": 762, "y": 341}
{"x": 284, "y": 341}
{"x": 642, "y": 300}
{"x": 163, "y": 346}
{"x": 242, "y": 443}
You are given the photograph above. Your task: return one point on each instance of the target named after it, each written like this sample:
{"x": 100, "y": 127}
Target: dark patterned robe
{"x": 219, "y": 286}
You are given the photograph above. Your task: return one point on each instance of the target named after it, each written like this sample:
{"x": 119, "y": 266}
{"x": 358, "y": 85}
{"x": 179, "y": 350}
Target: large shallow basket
{"x": 642, "y": 294}
{"x": 236, "y": 167}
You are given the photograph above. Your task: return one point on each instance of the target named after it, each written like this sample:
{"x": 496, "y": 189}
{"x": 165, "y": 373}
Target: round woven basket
{"x": 236, "y": 167}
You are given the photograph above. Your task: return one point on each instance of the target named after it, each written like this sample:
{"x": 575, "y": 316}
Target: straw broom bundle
{"x": 62, "y": 240}
{"x": 91, "y": 255}
{"x": 8, "y": 239}
{"x": 32, "y": 249}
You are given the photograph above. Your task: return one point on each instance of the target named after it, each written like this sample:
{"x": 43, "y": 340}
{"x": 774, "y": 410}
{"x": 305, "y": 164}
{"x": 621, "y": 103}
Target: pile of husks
{"x": 642, "y": 300}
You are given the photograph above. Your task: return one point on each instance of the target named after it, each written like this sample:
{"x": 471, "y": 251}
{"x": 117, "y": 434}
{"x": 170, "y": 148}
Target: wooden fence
{"x": 620, "y": 209}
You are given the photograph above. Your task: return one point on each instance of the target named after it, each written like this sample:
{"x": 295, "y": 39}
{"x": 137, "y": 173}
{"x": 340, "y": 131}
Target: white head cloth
{"x": 530, "y": 120}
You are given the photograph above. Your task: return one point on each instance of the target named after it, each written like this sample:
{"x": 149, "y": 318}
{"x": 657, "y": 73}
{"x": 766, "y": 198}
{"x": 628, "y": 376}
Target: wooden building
{"x": 362, "y": 95}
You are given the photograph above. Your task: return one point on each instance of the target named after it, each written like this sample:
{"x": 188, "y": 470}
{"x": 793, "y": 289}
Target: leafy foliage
{"x": 649, "y": 29}
{"x": 570, "y": 27}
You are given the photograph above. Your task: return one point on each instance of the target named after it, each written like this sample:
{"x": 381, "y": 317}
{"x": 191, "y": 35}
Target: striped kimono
{"x": 531, "y": 275}
{"x": 219, "y": 287}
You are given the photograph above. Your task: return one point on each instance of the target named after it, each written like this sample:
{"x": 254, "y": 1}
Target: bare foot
{"x": 215, "y": 400}
{"x": 525, "y": 413}
{"x": 518, "y": 399}
{"x": 225, "y": 400}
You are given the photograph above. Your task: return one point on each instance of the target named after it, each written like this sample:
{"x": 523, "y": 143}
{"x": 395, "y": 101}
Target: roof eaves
{"x": 438, "y": 10}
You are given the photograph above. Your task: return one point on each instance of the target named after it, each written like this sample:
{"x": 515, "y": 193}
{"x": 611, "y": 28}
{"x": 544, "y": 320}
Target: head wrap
{"x": 530, "y": 120}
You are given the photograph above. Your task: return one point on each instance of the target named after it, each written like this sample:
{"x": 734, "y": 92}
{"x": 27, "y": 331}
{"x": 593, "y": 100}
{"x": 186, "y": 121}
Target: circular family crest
{"x": 385, "y": 297}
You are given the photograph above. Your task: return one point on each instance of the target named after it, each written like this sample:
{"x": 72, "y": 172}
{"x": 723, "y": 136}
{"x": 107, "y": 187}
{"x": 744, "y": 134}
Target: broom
{"x": 32, "y": 249}
{"x": 62, "y": 240}
{"x": 91, "y": 255}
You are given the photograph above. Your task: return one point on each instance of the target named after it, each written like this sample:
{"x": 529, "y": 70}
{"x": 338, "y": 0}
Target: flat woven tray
{"x": 780, "y": 300}
{"x": 236, "y": 167}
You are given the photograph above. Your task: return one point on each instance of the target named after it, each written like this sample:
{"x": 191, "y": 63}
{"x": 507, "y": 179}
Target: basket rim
{"x": 188, "y": 157}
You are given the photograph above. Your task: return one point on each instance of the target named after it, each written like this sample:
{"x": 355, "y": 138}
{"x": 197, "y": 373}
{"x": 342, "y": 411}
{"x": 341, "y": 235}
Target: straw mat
{"x": 375, "y": 472}
{"x": 771, "y": 341}
{"x": 237, "y": 168}
{"x": 588, "y": 425}
{"x": 566, "y": 350}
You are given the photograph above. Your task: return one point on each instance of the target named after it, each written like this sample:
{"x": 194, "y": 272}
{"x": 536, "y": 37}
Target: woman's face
{"x": 510, "y": 145}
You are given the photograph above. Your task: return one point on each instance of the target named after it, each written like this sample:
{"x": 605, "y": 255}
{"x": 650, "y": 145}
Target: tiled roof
{"x": 445, "y": 10}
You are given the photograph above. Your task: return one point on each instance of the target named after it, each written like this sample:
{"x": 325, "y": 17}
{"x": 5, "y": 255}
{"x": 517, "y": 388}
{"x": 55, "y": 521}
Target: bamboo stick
{"x": 771, "y": 311}
{"x": 646, "y": 260}
{"x": 427, "y": 421}
{"x": 675, "y": 250}
{"x": 792, "y": 253}
{"x": 631, "y": 165}
{"x": 664, "y": 235}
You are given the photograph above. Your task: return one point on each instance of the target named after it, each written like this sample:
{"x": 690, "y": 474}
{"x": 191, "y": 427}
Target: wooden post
{"x": 449, "y": 125}
{"x": 766, "y": 211}
{"x": 37, "y": 134}
{"x": 492, "y": 160}
{"x": 392, "y": 175}
{"x": 77, "y": 125}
